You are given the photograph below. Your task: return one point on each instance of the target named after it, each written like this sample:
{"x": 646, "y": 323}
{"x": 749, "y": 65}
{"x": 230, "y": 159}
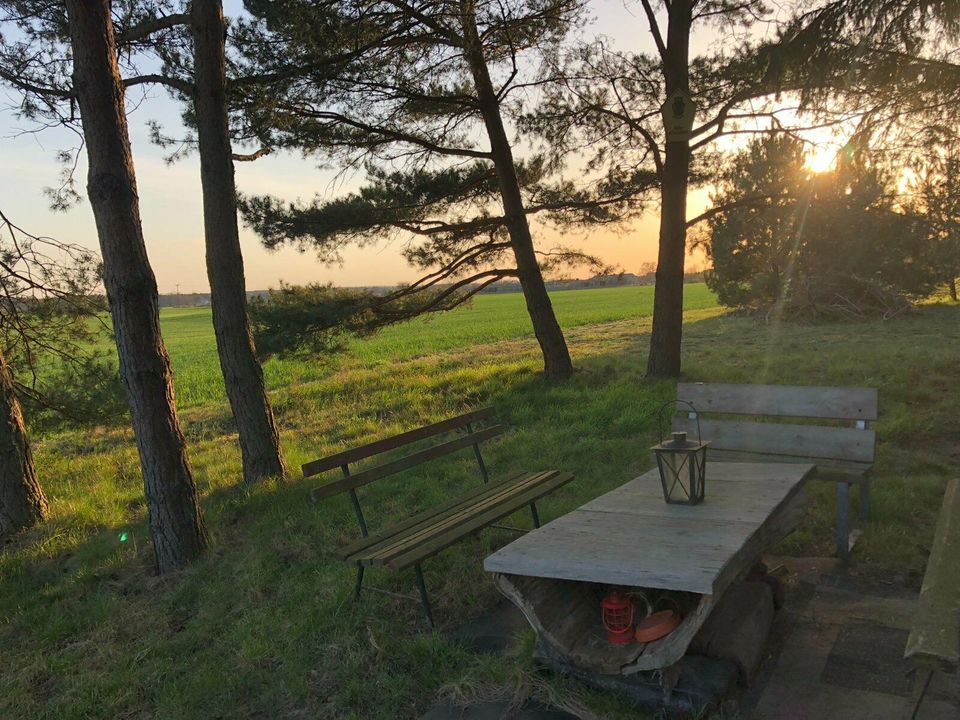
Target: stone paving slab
{"x": 838, "y": 654}
{"x": 494, "y": 632}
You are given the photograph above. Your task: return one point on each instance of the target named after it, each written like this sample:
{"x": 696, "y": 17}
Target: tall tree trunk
{"x": 242, "y": 374}
{"x": 22, "y": 502}
{"x": 557, "y": 364}
{"x": 667, "y": 333}
{"x": 952, "y": 287}
{"x": 175, "y": 520}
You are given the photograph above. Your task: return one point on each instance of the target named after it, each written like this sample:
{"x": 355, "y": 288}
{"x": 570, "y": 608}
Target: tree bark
{"x": 242, "y": 374}
{"x": 667, "y": 333}
{"x": 22, "y": 502}
{"x": 557, "y": 364}
{"x": 176, "y": 524}
{"x": 952, "y": 287}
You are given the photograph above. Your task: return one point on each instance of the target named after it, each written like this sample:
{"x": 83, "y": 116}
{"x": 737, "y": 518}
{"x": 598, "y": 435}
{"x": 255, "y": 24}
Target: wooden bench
{"x": 934, "y": 642}
{"x": 419, "y": 536}
{"x": 751, "y": 427}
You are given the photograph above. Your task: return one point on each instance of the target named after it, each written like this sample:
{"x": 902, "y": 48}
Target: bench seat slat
{"x": 412, "y": 460}
{"x": 315, "y": 467}
{"x": 810, "y": 441}
{"x": 429, "y": 514}
{"x": 835, "y": 403}
{"x": 429, "y": 521}
{"x": 384, "y": 552}
{"x": 935, "y": 636}
{"x": 437, "y": 543}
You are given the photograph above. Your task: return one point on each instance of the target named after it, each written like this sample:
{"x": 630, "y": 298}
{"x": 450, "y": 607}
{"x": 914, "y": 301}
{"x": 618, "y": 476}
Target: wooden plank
{"x": 827, "y": 468}
{"x": 412, "y": 460}
{"x": 429, "y": 514}
{"x": 346, "y": 457}
{"x": 632, "y": 537}
{"x": 431, "y": 522}
{"x": 406, "y": 542}
{"x": 742, "y": 495}
{"x": 935, "y": 636}
{"x": 480, "y": 521}
{"x": 838, "y": 403}
{"x": 688, "y": 555}
{"x": 808, "y": 441}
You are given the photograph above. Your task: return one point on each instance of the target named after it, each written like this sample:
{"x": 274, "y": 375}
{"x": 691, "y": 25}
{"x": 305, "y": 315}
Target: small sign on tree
{"x": 678, "y": 112}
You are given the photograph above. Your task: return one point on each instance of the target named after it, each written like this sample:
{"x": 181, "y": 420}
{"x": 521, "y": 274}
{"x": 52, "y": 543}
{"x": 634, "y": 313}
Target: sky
{"x": 170, "y": 197}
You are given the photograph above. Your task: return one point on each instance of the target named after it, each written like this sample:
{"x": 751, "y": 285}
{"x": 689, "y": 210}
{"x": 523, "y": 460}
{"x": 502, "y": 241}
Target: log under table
{"x": 631, "y": 538}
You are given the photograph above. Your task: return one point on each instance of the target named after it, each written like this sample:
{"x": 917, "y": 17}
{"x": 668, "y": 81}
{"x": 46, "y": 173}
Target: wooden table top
{"x": 631, "y": 537}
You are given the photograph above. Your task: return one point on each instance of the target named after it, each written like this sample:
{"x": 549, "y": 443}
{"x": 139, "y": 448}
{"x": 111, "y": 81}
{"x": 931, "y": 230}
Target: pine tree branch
{"x": 391, "y": 134}
{"x": 752, "y": 201}
{"x": 147, "y": 27}
{"x": 250, "y": 157}
{"x": 655, "y": 29}
{"x": 176, "y": 83}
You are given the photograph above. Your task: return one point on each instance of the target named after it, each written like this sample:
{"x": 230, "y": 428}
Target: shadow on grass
{"x": 264, "y": 625}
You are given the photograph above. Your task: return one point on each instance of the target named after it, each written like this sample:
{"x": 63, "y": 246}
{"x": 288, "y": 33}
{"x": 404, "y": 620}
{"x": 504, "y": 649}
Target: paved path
{"x": 838, "y": 654}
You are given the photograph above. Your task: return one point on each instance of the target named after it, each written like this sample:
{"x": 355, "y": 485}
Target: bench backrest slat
{"x": 798, "y": 441}
{"x": 346, "y": 457}
{"x": 761, "y": 432}
{"x": 834, "y": 403}
{"x": 380, "y": 471}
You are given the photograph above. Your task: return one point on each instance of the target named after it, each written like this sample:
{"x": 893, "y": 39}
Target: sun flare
{"x": 821, "y": 158}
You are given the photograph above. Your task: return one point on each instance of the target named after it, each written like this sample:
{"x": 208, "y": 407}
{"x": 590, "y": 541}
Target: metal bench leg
{"x": 843, "y": 521}
{"x": 356, "y": 588}
{"x": 423, "y": 595}
{"x": 536, "y": 515}
{"x": 921, "y": 683}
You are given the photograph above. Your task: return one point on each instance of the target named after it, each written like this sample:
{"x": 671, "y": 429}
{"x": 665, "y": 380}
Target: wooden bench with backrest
{"x": 934, "y": 641}
{"x": 419, "y": 536}
{"x": 748, "y": 422}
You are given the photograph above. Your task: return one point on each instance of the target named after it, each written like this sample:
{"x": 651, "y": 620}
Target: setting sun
{"x": 821, "y": 158}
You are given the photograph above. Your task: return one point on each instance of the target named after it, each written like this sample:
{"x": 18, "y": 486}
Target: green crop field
{"x": 264, "y": 625}
{"x": 488, "y": 319}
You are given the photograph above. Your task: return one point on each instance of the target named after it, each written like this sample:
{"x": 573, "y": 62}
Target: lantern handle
{"x": 674, "y": 403}
{"x": 646, "y": 601}
{"x": 669, "y": 599}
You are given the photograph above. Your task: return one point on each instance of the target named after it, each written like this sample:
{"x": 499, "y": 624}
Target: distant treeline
{"x": 499, "y": 288}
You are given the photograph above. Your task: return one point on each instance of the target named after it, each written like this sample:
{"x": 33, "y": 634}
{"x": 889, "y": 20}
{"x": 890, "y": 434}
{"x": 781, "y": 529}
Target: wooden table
{"x": 630, "y": 537}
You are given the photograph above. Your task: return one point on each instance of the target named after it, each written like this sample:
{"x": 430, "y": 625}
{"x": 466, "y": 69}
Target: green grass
{"x": 264, "y": 627}
{"x": 489, "y": 319}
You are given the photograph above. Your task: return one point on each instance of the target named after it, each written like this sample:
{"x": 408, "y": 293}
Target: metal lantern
{"x": 683, "y": 466}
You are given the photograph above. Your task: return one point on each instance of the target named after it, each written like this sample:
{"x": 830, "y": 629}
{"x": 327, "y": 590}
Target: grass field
{"x": 263, "y": 627}
{"x": 490, "y": 319}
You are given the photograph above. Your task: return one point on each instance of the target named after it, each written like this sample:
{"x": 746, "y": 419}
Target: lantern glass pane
{"x": 676, "y": 475}
{"x": 698, "y": 466}
{"x": 682, "y": 472}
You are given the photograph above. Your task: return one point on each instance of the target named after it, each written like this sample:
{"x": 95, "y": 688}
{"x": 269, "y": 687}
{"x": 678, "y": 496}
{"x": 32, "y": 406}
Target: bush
{"x": 784, "y": 235}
